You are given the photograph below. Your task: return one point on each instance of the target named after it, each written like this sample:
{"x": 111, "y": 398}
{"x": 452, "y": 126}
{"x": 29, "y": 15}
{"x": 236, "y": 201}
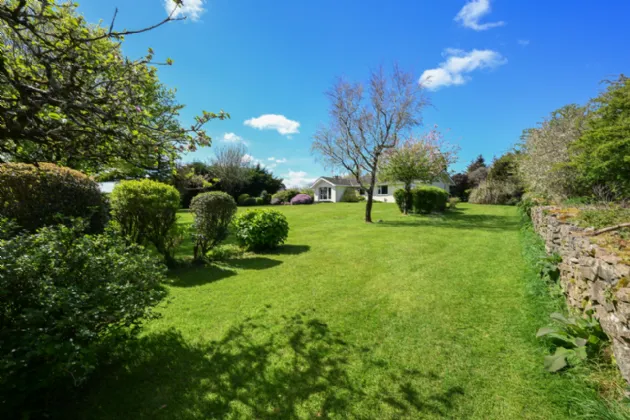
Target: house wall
{"x": 323, "y": 183}
{"x": 389, "y": 197}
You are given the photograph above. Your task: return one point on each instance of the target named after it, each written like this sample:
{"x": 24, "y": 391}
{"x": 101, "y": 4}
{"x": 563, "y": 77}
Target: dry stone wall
{"x": 591, "y": 277}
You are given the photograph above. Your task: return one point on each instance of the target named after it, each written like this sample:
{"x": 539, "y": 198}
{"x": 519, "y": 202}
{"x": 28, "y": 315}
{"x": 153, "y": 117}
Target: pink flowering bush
{"x": 302, "y": 199}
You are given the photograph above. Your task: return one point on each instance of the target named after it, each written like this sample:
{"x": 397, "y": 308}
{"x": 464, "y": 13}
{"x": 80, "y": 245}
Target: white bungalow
{"x": 332, "y": 188}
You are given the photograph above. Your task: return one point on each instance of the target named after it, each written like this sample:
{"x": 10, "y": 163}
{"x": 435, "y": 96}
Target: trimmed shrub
{"x": 275, "y": 201}
{"x": 428, "y": 199}
{"x": 66, "y": 300}
{"x": 302, "y": 199}
{"x": 361, "y": 198}
{"x": 242, "y": 198}
{"x": 308, "y": 191}
{"x": 259, "y": 201}
{"x": 261, "y": 229}
{"x": 145, "y": 212}
{"x": 44, "y": 195}
{"x": 350, "y": 195}
{"x": 403, "y": 200}
{"x": 285, "y": 196}
{"x": 213, "y": 212}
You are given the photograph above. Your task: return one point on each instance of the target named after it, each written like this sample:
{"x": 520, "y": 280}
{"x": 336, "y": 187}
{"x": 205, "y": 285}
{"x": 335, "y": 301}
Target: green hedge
{"x": 47, "y": 194}
{"x": 261, "y": 229}
{"x": 428, "y": 199}
{"x": 145, "y": 211}
{"x": 213, "y": 213}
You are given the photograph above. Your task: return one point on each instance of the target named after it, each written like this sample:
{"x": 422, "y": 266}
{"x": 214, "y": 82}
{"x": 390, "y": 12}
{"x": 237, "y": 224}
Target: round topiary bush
{"x": 260, "y": 201}
{"x": 36, "y": 196}
{"x": 261, "y": 229}
{"x": 302, "y": 199}
{"x": 428, "y": 199}
{"x": 213, "y": 212}
{"x": 145, "y": 211}
{"x": 242, "y": 199}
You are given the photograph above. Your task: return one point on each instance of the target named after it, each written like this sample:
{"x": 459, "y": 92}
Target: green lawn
{"x": 418, "y": 316}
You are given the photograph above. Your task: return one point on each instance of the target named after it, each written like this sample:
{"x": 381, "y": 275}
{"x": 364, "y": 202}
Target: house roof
{"x": 351, "y": 182}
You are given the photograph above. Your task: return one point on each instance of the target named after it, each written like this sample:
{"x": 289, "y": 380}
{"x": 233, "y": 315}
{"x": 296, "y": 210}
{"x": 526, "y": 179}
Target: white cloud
{"x": 297, "y": 179}
{"x": 233, "y": 138}
{"x": 279, "y": 123}
{"x": 458, "y": 63}
{"x": 273, "y": 159}
{"x": 192, "y": 9}
{"x": 523, "y": 42}
{"x": 247, "y": 158}
{"x": 472, "y": 12}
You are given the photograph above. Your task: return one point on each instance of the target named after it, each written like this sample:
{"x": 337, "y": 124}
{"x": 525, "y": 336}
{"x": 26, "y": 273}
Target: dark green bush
{"x": 49, "y": 194}
{"x": 403, "y": 200}
{"x": 261, "y": 229}
{"x": 350, "y": 195}
{"x": 285, "y": 196}
{"x": 259, "y": 201}
{"x": 213, "y": 213}
{"x": 266, "y": 197}
{"x": 428, "y": 199}
{"x": 145, "y": 212}
{"x": 65, "y": 298}
{"x": 242, "y": 199}
{"x": 453, "y": 202}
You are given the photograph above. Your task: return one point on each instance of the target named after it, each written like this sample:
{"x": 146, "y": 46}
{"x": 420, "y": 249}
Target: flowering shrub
{"x": 285, "y": 196}
{"x": 261, "y": 229}
{"x": 302, "y": 199}
{"x": 213, "y": 213}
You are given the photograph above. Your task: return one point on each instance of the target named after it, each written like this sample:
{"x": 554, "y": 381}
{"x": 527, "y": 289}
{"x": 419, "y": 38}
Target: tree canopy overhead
{"x": 68, "y": 94}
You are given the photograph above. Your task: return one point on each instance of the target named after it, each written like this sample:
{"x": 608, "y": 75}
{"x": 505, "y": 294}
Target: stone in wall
{"x": 592, "y": 278}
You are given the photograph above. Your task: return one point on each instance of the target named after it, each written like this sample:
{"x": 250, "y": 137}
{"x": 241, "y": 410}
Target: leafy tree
{"x": 544, "y": 159}
{"x": 477, "y": 163}
{"x": 601, "y": 155}
{"x": 461, "y": 187}
{"x": 478, "y": 175}
{"x": 366, "y": 122}
{"x": 231, "y": 166}
{"x": 424, "y": 159}
{"x": 504, "y": 168}
{"x": 260, "y": 179}
{"x": 68, "y": 95}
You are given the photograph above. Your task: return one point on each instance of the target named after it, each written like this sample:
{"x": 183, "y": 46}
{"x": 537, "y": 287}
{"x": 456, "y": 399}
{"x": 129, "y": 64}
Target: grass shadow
{"x": 266, "y": 366}
{"x": 197, "y": 275}
{"x": 253, "y": 263}
{"x": 457, "y": 219}
{"x": 288, "y": 250}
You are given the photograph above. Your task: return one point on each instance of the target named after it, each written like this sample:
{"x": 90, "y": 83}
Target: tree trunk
{"x": 368, "y": 207}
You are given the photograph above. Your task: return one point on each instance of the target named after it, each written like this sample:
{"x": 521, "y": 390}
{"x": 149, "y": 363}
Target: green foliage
{"x": 192, "y": 179}
{"x": 350, "y": 195}
{"x": 145, "y": 212}
{"x": 224, "y": 252}
{"x": 285, "y": 196}
{"x": 600, "y": 217}
{"x": 575, "y": 340}
{"x": 261, "y": 229}
{"x": 266, "y": 197}
{"x": 478, "y": 162}
{"x": 213, "y": 212}
{"x": 401, "y": 197}
{"x": 453, "y": 202}
{"x": 308, "y": 191}
{"x": 548, "y": 267}
{"x": 428, "y": 199}
{"x": 259, "y": 201}
{"x": 65, "y": 297}
{"x": 462, "y": 186}
{"x": 601, "y": 153}
{"x": 36, "y": 196}
{"x": 242, "y": 199}
{"x": 70, "y": 96}
{"x": 259, "y": 179}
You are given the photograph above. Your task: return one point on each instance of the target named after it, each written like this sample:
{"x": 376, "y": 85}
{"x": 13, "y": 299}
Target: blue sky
{"x": 496, "y": 66}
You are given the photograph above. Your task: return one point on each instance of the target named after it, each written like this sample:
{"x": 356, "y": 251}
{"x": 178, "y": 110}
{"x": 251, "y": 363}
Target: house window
{"x": 325, "y": 193}
{"x": 382, "y": 190}
{"x": 361, "y": 191}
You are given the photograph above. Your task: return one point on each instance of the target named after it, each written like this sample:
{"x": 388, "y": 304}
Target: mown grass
{"x": 414, "y": 317}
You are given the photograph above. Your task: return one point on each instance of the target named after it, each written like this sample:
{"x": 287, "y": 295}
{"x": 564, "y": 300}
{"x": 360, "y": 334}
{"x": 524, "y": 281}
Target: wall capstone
{"x": 591, "y": 278}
